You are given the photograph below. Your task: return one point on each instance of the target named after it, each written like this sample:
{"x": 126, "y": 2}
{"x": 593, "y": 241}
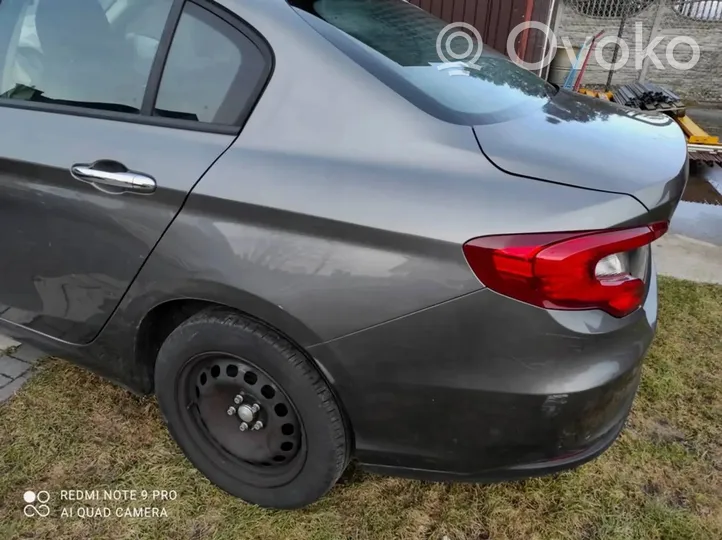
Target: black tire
{"x": 323, "y": 445}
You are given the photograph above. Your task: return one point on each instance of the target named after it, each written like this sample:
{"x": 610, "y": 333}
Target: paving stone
{"x": 4, "y": 380}
{"x": 12, "y": 368}
{"x": 6, "y": 343}
{"x": 26, "y": 353}
{"x": 9, "y": 389}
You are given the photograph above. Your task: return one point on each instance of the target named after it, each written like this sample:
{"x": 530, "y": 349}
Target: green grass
{"x": 68, "y": 429}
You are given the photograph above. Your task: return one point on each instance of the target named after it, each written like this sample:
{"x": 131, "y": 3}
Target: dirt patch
{"x": 352, "y": 475}
{"x": 710, "y": 121}
{"x": 715, "y": 458}
{"x": 679, "y": 499}
{"x": 651, "y": 488}
{"x": 699, "y": 190}
{"x": 660, "y": 431}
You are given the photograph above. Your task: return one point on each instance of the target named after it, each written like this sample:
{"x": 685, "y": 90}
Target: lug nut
{"x": 231, "y": 411}
{"x": 256, "y": 407}
{"x": 243, "y": 426}
{"x": 258, "y": 425}
{"x": 238, "y": 399}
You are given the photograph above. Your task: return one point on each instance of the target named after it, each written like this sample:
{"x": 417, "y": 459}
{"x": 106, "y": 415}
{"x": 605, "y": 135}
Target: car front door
{"x": 104, "y": 132}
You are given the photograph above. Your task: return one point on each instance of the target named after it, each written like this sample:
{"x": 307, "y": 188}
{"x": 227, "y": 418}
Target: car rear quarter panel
{"x": 345, "y": 205}
{"x": 341, "y": 205}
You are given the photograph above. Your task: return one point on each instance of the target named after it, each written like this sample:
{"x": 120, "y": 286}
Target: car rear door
{"x": 104, "y": 133}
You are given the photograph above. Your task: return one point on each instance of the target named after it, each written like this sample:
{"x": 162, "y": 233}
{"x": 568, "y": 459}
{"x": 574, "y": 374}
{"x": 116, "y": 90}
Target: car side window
{"x": 212, "y": 71}
{"x": 69, "y": 53}
{"x": 107, "y": 55}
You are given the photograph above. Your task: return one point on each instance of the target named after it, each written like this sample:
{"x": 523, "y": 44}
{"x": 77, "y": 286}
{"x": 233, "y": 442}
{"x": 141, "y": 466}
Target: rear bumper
{"x": 484, "y": 388}
{"x": 553, "y": 465}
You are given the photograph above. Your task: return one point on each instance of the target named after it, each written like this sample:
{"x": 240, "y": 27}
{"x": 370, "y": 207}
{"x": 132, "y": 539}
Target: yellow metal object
{"x": 695, "y": 134}
{"x": 593, "y": 93}
{"x": 701, "y": 146}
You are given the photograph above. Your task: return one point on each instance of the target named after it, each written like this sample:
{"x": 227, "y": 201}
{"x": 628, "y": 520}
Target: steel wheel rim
{"x": 208, "y": 386}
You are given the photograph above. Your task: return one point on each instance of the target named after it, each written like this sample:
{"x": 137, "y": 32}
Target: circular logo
{"x": 460, "y": 42}
{"x": 31, "y": 509}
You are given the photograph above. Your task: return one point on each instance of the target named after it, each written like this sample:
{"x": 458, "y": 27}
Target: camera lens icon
{"x": 31, "y": 509}
{"x": 460, "y": 42}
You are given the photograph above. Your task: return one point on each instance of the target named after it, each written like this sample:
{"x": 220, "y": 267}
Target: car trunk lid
{"x": 594, "y": 144}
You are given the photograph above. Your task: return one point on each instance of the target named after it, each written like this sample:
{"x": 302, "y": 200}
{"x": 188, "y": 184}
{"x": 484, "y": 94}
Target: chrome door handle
{"x": 124, "y": 181}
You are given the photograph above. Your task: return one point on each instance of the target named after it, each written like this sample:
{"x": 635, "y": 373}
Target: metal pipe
{"x": 656, "y": 28}
{"x": 525, "y": 36}
{"x": 578, "y": 83}
{"x": 622, "y": 24}
{"x": 569, "y": 82}
{"x": 709, "y": 148}
{"x": 544, "y": 72}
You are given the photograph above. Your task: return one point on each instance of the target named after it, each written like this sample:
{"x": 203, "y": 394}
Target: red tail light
{"x": 563, "y": 270}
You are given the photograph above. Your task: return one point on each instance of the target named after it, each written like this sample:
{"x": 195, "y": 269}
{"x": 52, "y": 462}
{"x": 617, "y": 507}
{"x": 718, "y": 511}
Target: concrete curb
{"x": 679, "y": 256}
{"x": 16, "y": 365}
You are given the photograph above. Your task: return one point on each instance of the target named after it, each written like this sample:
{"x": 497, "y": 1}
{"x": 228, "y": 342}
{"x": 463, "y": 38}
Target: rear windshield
{"x": 402, "y": 41}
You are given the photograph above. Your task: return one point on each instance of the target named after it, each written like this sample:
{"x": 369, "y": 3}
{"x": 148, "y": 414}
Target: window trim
{"x": 145, "y": 116}
{"x": 161, "y": 57}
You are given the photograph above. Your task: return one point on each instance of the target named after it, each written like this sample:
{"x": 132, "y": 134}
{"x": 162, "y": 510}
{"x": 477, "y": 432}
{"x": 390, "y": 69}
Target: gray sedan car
{"x": 312, "y": 244}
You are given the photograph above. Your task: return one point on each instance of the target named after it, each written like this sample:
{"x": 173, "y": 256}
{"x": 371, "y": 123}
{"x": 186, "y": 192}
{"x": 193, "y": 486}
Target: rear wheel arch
{"x": 155, "y": 328}
{"x": 160, "y": 321}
